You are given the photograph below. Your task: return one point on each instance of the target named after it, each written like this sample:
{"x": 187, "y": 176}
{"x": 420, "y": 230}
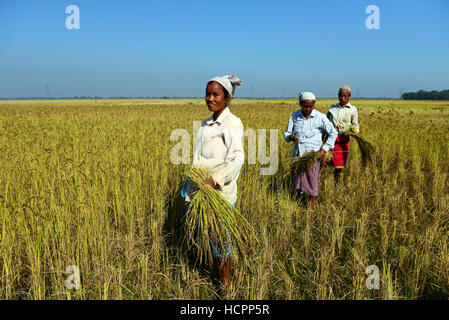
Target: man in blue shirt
{"x": 306, "y": 128}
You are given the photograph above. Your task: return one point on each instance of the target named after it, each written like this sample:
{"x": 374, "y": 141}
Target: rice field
{"x": 91, "y": 184}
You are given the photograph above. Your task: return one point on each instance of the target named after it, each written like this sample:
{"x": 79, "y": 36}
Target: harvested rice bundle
{"x": 301, "y": 164}
{"x": 211, "y": 218}
{"x": 367, "y": 149}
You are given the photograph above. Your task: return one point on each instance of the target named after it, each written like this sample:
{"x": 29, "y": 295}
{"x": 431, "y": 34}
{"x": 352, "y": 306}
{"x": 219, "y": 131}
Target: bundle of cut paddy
{"x": 367, "y": 149}
{"x": 211, "y": 218}
{"x": 301, "y": 164}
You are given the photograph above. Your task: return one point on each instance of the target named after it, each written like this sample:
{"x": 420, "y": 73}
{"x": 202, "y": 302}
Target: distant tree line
{"x": 426, "y": 95}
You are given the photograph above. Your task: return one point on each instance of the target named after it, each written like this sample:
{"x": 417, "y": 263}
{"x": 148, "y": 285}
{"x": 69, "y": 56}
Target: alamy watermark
{"x": 73, "y": 20}
{"x": 373, "y": 20}
{"x": 257, "y": 148}
{"x": 73, "y": 277}
{"x": 372, "y": 282}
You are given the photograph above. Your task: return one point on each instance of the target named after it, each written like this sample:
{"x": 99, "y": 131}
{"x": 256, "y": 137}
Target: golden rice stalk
{"x": 298, "y": 165}
{"x": 210, "y": 217}
{"x": 367, "y": 149}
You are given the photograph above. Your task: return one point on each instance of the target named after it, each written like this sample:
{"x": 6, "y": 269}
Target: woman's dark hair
{"x": 226, "y": 93}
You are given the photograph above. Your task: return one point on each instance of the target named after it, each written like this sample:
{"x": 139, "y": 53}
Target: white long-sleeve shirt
{"x": 343, "y": 118}
{"x": 220, "y": 148}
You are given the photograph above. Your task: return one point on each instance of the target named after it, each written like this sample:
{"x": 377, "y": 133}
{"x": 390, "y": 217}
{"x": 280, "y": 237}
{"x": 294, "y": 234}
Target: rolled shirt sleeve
{"x": 235, "y": 156}
{"x": 332, "y": 133}
{"x": 289, "y": 129}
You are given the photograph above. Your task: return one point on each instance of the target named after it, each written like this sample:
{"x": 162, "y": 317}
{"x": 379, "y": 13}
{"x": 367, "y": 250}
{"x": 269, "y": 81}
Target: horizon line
{"x": 181, "y": 97}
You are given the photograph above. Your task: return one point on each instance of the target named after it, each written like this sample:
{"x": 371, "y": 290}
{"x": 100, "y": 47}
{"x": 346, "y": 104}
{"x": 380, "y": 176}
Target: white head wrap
{"x": 229, "y": 82}
{"x": 306, "y": 96}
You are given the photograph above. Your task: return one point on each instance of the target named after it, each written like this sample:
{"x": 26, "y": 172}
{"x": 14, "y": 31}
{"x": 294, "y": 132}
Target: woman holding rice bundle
{"x": 306, "y": 128}
{"x": 343, "y": 115}
{"x": 220, "y": 149}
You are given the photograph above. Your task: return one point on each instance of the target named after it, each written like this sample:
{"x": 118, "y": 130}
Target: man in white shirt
{"x": 306, "y": 128}
{"x": 342, "y": 115}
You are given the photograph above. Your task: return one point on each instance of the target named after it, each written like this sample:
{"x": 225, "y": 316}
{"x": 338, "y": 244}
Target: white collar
{"x": 224, "y": 114}
{"x": 312, "y": 114}
{"x": 348, "y": 105}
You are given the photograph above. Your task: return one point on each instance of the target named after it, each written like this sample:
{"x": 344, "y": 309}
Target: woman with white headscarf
{"x": 220, "y": 148}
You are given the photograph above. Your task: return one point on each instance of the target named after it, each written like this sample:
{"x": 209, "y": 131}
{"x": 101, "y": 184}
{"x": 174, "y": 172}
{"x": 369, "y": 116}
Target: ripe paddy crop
{"x": 91, "y": 184}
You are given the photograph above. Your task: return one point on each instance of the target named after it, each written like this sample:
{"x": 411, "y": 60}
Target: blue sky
{"x": 277, "y": 48}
